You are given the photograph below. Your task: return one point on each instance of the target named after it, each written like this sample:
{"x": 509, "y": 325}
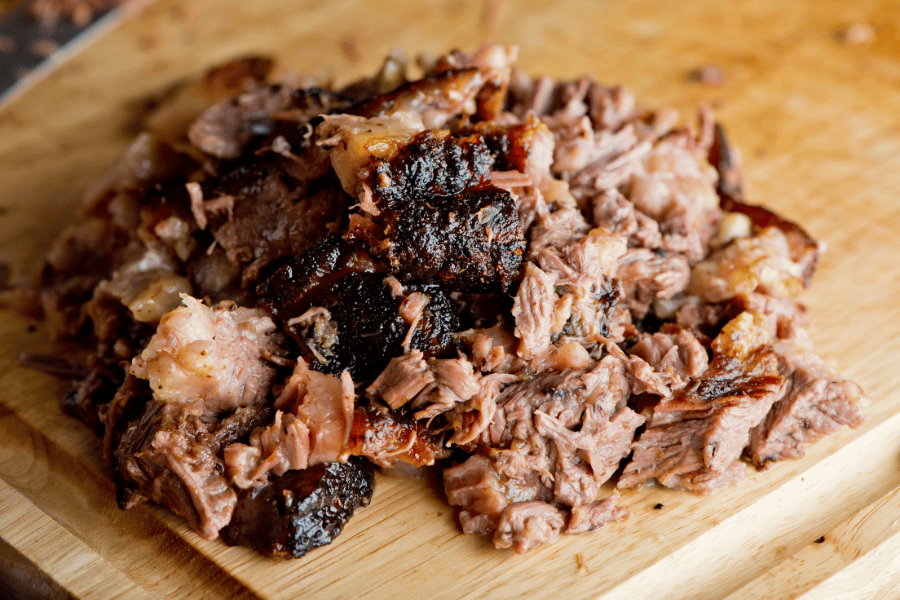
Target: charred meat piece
{"x": 359, "y": 328}
{"x": 438, "y": 321}
{"x": 433, "y": 166}
{"x": 470, "y": 242}
{"x": 346, "y": 316}
{"x": 442, "y": 221}
{"x": 301, "y": 510}
{"x": 367, "y": 329}
{"x": 294, "y": 287}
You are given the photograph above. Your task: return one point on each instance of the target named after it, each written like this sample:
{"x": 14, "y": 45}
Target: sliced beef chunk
{"x": 234, "y": 427}
{"x": 694, "y": 441}
{"x": 437, "y": 98}
{"x": 301, "y": 510}
{"x": 209, "y": 360}
{"x": 170, "y": 113}
{"x": 441, "y": 220}
{"x": 260, "y": 212}
{"x": 550, "y": 444}
{"x": 815, "y": 406}
{"x": 311, "y": 426}
{"x": 172, "y": 455}
{"x": 228, "y": 129}
{"x": 200, "y": 384}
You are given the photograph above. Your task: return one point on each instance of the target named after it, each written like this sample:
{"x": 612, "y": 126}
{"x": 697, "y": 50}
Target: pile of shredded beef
{"x": 537, "y": 285}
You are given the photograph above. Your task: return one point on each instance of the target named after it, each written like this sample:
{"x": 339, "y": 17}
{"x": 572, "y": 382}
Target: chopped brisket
{"x": 148, "y": 161}
{"x": 441, "y": 221}
{"x": 162, "y": 456}
{"x": 695, "y": 439}
{"x": 588, "y": 517}
{"x": 386, "y": 438}
{"x": 311, "y": 426}
{"x": 541, "y": 279}
{"x": 526, "y": 525}
{"x": 87, "y": 395}
{"x": 300, "y": 510}
{"x": 298, "y": 283}
{"x": 348, "y": 315}
{"x": 214, "y": 357}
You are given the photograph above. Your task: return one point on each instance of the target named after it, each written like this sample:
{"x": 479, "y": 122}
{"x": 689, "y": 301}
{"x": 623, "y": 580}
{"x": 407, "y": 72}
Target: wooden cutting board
{"x": 818, "y": 119}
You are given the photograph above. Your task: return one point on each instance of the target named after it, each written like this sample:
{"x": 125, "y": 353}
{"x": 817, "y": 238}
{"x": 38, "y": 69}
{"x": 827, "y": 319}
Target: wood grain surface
{"x": 816, "y": 116}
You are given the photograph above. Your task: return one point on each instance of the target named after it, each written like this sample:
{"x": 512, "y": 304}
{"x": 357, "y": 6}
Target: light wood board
{"x": 819, "y": 125}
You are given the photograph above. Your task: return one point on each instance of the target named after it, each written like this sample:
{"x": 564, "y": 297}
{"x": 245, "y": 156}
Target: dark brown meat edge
{"x": 301, "y": 510}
